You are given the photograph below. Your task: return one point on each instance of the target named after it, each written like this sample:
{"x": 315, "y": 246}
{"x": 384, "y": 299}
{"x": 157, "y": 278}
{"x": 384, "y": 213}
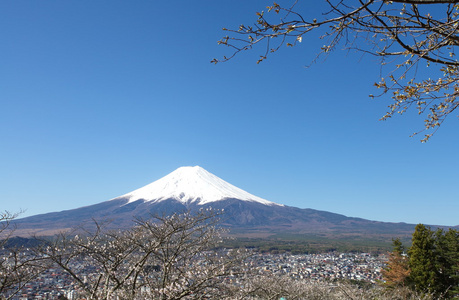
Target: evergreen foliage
{"x": 423, "y": 273}
{"x": 432, "y": 264}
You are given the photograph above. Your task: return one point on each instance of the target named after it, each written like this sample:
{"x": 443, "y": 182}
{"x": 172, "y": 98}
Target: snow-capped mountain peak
{"x": 192, "y": 184}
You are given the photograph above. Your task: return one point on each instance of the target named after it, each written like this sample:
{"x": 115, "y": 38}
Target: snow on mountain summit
{"x": 191, "y": 184}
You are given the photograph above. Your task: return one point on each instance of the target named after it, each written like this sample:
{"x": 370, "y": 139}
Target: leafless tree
{"x": 407, "y": 35}
{"x": 166, "y": 257}
{"x": 276, "y": 287}
{"x": 18, "y": 265}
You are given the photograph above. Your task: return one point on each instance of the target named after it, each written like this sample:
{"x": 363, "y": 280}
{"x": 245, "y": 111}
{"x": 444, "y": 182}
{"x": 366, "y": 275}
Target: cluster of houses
{"x": 327, "y": 266}
{"x": 56, "y": 284}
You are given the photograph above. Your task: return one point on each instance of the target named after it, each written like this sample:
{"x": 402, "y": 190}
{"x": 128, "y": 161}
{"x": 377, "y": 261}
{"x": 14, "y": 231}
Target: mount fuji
{"x": 191, "y": 185}
{"x": 193, "y": 188}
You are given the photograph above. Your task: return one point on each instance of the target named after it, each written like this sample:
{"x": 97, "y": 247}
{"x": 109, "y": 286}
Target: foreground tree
{"x": 17, "y": 265}
{"x": 407, "y": 35}
{"x": 397, "y": 270}
{"x": 422, "y": 259}
{"x": 161, "y": 258}
{"x": 275, "y": 287}
{"x": 434, "y": 261}
{"x": 447, "y": 262}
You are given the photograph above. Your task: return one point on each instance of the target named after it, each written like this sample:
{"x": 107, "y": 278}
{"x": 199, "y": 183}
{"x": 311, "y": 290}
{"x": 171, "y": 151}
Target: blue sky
{"x": 99, "y": 98}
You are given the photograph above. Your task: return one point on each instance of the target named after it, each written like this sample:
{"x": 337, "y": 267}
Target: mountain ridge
{"x": 193, "y": 188}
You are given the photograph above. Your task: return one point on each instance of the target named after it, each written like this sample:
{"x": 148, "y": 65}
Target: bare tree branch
{"x": 412, "y": 32}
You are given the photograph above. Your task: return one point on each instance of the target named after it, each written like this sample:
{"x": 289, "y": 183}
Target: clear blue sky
{"x": 98, "y": 98}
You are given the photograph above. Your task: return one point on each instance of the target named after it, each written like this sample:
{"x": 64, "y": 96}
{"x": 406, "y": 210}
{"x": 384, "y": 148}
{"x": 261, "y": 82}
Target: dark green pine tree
{"x": 447, "y": 261}
{"x": 453, "y": 253}
{"x": 422, "y": 260}
{"x": 398, "y": 246}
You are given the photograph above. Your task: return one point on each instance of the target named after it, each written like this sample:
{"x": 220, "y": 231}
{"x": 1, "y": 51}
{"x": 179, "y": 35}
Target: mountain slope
{"x": 193, "y": 188}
